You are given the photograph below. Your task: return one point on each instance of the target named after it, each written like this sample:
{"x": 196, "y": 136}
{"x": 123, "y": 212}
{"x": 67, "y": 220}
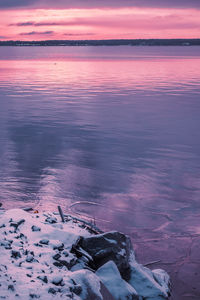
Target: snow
{"x": 112, "y": 279}
{"x": 39, "y": 260}
{"x": 143, "y": 280}
{"x": 26, "y": 255}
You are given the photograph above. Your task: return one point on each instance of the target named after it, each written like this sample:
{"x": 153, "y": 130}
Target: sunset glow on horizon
{"x": 41, "y": 20}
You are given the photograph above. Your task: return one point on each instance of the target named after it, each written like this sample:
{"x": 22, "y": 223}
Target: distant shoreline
{"x": 112, "y": 42}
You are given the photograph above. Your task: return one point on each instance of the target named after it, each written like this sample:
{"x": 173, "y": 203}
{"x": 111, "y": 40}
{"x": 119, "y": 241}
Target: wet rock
{"x": 118, "y": 288}
{"x": 108, "y": 246}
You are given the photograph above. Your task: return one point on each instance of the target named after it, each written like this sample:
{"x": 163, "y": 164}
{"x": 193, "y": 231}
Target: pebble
{"x": 77, "y": 289}
{"x": 15, "y": 254}
{"x": 43, "y": 278}
{"x": 11, "y": 287}
{"x": 65, "y": 253}
{"x": 57, "y": 280}
{"x": 52, "y": 290}
{"x": 44, "y": 241}
{"x": 29, "y": 258}
{"x": 57, "y": 256}
{"x": 35, "y": 228}
{"x": 51, "y": 220}
{"x": 57, "y": 245}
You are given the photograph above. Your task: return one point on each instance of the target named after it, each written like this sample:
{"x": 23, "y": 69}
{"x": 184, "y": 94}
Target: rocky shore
{"x": 42, "y": 257}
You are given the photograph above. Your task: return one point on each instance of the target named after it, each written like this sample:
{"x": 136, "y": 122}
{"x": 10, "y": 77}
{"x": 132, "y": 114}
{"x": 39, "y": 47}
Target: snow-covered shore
{"x": 44, "y": 258}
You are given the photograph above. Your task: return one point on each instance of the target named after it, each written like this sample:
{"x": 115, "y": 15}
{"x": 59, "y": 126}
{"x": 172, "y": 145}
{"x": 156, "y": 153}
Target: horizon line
{"x": 93, "y": 40}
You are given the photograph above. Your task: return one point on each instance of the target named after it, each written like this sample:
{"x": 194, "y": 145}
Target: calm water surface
{"x": 111, "y": 133}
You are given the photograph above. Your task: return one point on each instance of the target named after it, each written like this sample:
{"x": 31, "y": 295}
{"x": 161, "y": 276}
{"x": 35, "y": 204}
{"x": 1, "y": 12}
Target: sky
{"x": 98, "y": 19}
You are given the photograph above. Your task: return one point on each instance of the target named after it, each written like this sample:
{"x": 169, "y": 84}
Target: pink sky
{"x": 41, "y": 22}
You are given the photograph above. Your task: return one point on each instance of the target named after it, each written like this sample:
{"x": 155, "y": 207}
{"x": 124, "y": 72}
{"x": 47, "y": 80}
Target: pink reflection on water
{"x": 139, "y": 73}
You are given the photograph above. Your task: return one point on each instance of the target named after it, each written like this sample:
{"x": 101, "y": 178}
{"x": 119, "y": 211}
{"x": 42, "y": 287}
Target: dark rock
{"x": 35, "y": 228}
{"x": 77, "y": 289}
{"x": 58, "y": 264}
{"x": 60, "y": 247}
{"x": 34, "y": 296}
{"x": 57, "y": 280}
{"x": 14, "y": 224}
{"x": 51, "y": 290}
{"x": 29, "y": 258}
{"x": 11, "y": 287}
{"x": 22, "y": 236}
{"x": 64, "y": 263}
{"x": 65, "y": 253}
{"x": 37, "y": 245}
{"x": 51, "y": 220}
{"x": 44, "y": 241}
{"x": 6, "y": 244}
{"x": 27, "y": 208}
{"x": 15, "y": 254}
{"x": 108, "y": 246}
{"x": 69, "y": 264}
{"x": 57, "y": 256}
{"x": 43, "y": 278}
{"x": 17, "y": 224}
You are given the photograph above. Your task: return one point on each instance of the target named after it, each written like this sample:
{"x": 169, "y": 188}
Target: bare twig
{"x": 152, "y": 263}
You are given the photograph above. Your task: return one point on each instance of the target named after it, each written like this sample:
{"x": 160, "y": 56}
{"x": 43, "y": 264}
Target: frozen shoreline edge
{"x": 70, "y": 259}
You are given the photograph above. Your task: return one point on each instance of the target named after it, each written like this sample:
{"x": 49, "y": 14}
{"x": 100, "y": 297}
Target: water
{"x": 112, "y": 134}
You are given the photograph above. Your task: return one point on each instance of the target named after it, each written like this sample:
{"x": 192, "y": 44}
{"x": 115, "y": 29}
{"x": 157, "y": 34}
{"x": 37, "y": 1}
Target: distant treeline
{"x": 116, "y": 42}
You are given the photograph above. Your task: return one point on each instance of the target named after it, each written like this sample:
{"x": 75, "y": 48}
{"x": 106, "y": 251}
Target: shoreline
{"x": 55, "y": 254}
{"x": 111, "y": 42}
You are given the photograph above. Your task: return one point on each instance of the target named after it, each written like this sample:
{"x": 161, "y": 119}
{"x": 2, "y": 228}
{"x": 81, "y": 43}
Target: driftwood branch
{"x": 61, "y": 214}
